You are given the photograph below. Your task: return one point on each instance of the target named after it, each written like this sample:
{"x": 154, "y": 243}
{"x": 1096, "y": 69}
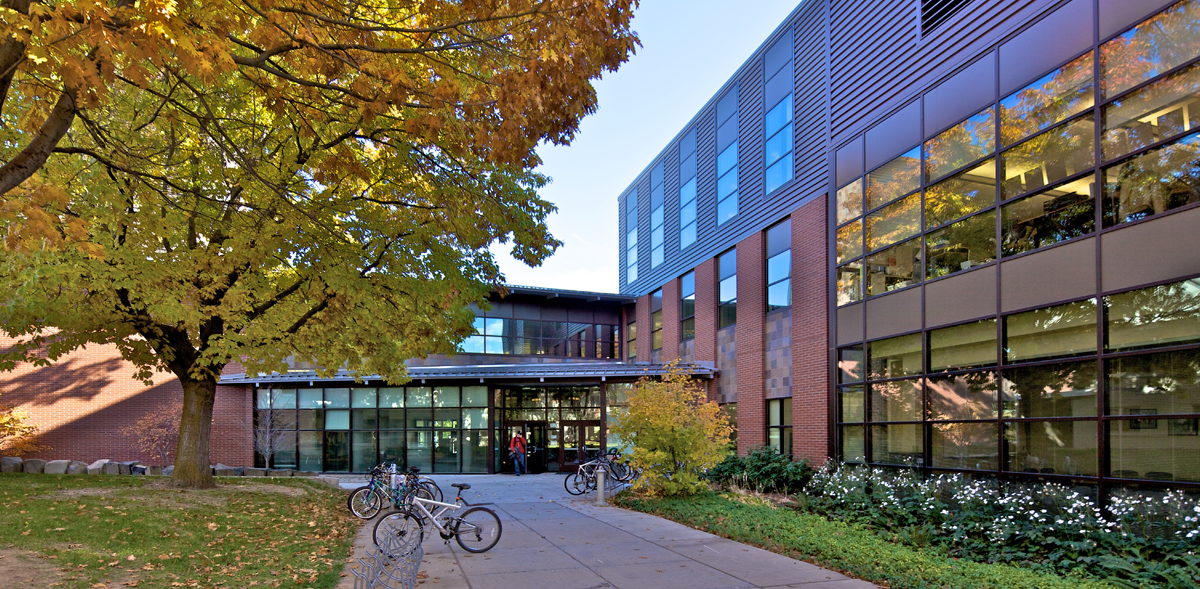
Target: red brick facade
{"x": 672, "y": 330}
{"x": 810, "y": 336}
{"x": 706, "y": 315}
{"x": 644, "y": 329}
{"x": 82, "y": 401}
{"x": 751, "y": 302}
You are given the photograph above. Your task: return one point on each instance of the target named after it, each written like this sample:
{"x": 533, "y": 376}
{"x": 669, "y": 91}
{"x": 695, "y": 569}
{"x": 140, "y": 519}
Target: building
{"x": 959, "y": 235}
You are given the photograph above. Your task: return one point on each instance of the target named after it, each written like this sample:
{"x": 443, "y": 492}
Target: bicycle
{"x": 478, "y": 529}
{"x": 366, "y": 502}
{"x": 584, "y": 480}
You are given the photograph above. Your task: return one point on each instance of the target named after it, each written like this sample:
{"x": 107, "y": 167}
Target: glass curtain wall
{"x": 352, "y": 429}
{"x": 571, "y": 415}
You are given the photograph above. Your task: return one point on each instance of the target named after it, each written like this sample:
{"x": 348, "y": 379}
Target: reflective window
{"x": 894, "y": 357}
{"x": 896, "y": 400}
{"x": 687, "y": 305}
{"x": 849, "y": 283}
{"x": 972, "y": 446}
{"x": 1054, "y": 332}
{"x": 894, "y": 222}
{"x": 1154, "y": 46}
{"x": 1048, "y": 158}
{"x": 850, "y": 364}
{"x": 656, "y": 215}
{"x": 1151, "y": 114}
{"x": 778, "y": 147}
{"x": 894, "y": 268}
{"x": 631, "y": 236}
{"x": 779, "y": 425}
{"x": 961, "y": 195}
{"x": 656, "y": 320}
{"x": 1157, "y": 181}
{"x": 1051, "y": 447}
{"x": 850, "y": 201}
{"x": 1164, "y": 383}
{"x": 1163, "y": 315}
{"x": 960, "y": 145}
{"x": 1048, "y": 100}
{"x": 1066, "y": 389}
{"x": 850, "y": 241}
{"x": 961, "y": 246}
{"x": 1058, "y": 214}
{"x": 963, "y": 396}
{"x": 687, "y": 189}
{"x": 894, "y": 179}
{"x": 779, "y": 266}
{"x": 1156, "y": 449}
{"x": 727, "y": 289}
{"x": 727, "y": 184}
{"x": 851, "y": 404}
{"x": 971, "y": 345}
{"x": 900, "y": 444}
{"x": 854, "y": 446}
{"x": 631, "y": 340}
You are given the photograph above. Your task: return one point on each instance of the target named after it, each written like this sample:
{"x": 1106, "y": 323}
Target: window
{"x": 894, "y": 179}
{"x": 894, "y": 222}
{"x": 1154, "y": 182}
{"x": 960, "y": 145}
{"x": 1047, "y": 158}
{"x": 1153, "y": 113}
{"x": 494, "y": 335}
{"x": 850, "y": 201}
{"x": 656, "y": 320}
{"x": 687, "y": 189}
{"x": 1051, "y": 99}
{"x": 779, "y": 425}
{"x": 1158, "y": 316}
{"x": 727, "y": 289}
{"x": 779, "y": 266}
{"x": 972, "y": 345}
{"x": 1161, "y": 42}
{"x": 631, "y": 340}
{"x": 777, "y": 66}
{"x": 1058, "y": 214}
{"x": 631, "y": 237}
{"x": 1055, "y": 332}
{"x": 849, "y": 283}
{"x": 961, "y": 246}
{"x": 894, "y": 268}
{"x": 961, "y": 194}
{"x": 687, "y": 306}
{"x": 936, "y": 12}
{"x": 656, "y": 215}
{"x": 727, "y": 158}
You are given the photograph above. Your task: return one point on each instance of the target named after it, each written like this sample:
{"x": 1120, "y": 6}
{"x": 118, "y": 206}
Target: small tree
{"x": 18, "y": 437}
{"x": 270, "y": 430}
{"x": 675, "y": 433}
{"x": 156, "y": 433}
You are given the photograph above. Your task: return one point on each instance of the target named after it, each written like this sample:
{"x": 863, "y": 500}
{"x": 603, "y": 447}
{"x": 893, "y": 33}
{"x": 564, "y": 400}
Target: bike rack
{"x": 391, "y": 566}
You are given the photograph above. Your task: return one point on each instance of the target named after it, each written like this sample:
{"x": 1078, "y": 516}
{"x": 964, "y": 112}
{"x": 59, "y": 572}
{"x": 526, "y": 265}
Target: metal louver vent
{"x": 936, "y": 12}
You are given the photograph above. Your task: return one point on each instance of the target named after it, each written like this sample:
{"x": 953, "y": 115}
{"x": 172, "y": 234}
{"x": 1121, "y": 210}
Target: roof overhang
{"x": 574, "y": 371}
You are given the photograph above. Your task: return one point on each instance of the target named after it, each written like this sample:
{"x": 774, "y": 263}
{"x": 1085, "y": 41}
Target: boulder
{"x": 56, "y": 467}
{"x": 224, "y": 472}
{"x": 95, "y": 467}
{"x": 168, "y": 471}
{"x": 137, "y": 469}
{"x": 154, "y": 470}
{"x": 11, "y": 464}
{"x": 34, "y": 465}
{"x": 110, "y": 468}
{"x": 256, "y": 472}
{"x": 127, "y": 467}
{"x": 279, "y": 473}
{"x": 305, "y": 473}
{"x": 77, "y": 467}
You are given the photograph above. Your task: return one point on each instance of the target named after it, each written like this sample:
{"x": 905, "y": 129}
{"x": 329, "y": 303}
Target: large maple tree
{"x": 200, "y": 183}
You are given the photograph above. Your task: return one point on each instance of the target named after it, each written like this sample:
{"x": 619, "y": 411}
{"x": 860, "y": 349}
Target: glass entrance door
{"x": 535, "y": 446}
{"x": 581, "y": 443}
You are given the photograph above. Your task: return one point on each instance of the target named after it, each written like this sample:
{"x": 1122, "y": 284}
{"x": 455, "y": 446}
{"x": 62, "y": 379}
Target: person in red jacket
{"x": 516, "y": 449}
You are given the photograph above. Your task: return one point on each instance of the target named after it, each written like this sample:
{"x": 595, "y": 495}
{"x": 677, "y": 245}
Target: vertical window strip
{"x": 687, "y": 189}
{"x": 687, "y": 306}
{"x": 631, "y": 236}
{"x": 656, "y": 215}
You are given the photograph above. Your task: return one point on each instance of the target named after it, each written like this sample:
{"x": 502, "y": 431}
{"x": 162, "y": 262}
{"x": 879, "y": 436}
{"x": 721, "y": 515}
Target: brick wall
{"x": 810, "y": 339}
{"x": 82, "y": 400}
{"x": 645, "y": 338}
{"x": 752, "y": 288}
{"x": 670, "y": 314}
{"x": 705, "y": 348}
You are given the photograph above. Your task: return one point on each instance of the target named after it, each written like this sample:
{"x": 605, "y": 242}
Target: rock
{"x": 110, "y": 468}
{"x": 256, "y": 472}
{"x": 56, "y": 467}
{"x": 77, "y": 467}
{"x": 239, "y": 471}
{"x": 137, "y": 469}
{"x": 11, "y": 464}
{"x": 279, "y": 473}
{"x": 127, "y": 467}
{"x": 305, "y": 473}
{"x": 154, "y": 471}
{"x": 34, "y": 465}
{"x": 95, "y": 467}
{"x": 168, "y": 471}
{"x": 224, "y": 472}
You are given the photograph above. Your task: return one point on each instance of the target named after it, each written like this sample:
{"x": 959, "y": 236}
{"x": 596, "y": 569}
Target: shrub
{"x": 18, "y": 437}
{"x": 762, "y": 470}
{"x": 155, "y": 433}
{"x": 676, "y": 434}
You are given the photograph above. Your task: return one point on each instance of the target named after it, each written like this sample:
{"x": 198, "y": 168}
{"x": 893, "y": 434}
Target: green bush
{"x": 762, "y": 470}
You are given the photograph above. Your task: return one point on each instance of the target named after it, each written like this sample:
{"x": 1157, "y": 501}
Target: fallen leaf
{"x": 131, "y": 557}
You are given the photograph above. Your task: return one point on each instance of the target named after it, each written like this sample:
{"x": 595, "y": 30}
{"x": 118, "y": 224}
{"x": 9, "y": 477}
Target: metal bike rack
{"x": 393, "y": 565}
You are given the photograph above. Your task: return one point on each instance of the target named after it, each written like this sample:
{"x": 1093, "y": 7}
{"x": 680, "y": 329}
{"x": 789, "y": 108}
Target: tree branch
{"x": 39, "y": 149}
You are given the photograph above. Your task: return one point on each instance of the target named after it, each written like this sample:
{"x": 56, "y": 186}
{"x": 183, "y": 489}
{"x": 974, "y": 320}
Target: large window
{"x": 727, "y": 157}
{"x": 631, "y": 236}
{"x": 849, "y": 242}
{"x": 687, "y": 306}
{"x": 656, "y": 215}
{"x": 727, "y": 289}
{"x": 352, "y": 429}
{"x": 687, "y": 189}
{"x": 779, "y": 265}
{"x": 779, "y": 425}
{"x": 656, "y": 320}
{"x": 777, "y": 71}
{"x": 1034, "y": 392}
{"x": 631, "y": 340}
{"x": 502, "y": 335}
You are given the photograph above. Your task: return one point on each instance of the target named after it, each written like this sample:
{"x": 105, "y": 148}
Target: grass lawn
{"x": 124, "y": 531}
{"x": 840, "y": 546}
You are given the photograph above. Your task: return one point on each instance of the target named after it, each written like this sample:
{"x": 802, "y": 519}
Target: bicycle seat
{"x": 461, "y": 486}
{"x": 414, "y": 469}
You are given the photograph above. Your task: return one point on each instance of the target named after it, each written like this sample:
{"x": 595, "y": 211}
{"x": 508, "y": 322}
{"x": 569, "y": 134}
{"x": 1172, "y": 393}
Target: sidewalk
{"x": 552, "y": 539}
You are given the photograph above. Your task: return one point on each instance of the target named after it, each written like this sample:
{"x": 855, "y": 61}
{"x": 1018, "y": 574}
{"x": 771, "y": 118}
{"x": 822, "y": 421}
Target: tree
{"x": 674, "y": 433}
{"x": 201, "y": 183}
{"x": 18, "y": 437}
{"x": 155, "y": 433}
{"x": 273, "y": 431}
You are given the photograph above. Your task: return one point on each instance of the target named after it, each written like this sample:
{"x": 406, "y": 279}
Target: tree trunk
{"x": 195, "y": 433}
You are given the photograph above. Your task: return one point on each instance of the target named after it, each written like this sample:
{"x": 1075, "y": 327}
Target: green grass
{"x": 843, "y": 547}
{"x": 125, "y": 530}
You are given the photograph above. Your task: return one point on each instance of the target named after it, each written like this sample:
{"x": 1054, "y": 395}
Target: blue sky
{"x": 689, "y": 48}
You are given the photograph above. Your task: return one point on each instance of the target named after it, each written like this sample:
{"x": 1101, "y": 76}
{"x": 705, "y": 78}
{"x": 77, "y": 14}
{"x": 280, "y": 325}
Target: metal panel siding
{"x": 1046, "y": 44}
{"x": 751, "y": 145}
{"x": 963, "y": 95}
{"x": 894, "y": 136}
{"x": 1117, "y": 15}
{"x": 850, "y": 162}
{"x": 1162, "y": 248}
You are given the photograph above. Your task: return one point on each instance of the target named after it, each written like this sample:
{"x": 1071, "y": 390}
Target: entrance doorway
{"x": 535, "y": 446}
{"x": 580, "y": 443}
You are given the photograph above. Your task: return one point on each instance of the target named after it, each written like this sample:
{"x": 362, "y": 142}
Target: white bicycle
{"x": 477, "y": 529}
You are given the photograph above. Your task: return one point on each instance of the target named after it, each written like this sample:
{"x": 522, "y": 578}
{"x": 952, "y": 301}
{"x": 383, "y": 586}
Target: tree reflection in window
{"x": 1152, "y": 183}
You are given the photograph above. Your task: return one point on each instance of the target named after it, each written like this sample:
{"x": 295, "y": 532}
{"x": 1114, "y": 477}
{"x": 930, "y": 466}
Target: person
{"x": 516, "y": 447}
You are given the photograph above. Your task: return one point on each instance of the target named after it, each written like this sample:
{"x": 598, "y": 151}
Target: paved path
{"x": 552, "y": 539}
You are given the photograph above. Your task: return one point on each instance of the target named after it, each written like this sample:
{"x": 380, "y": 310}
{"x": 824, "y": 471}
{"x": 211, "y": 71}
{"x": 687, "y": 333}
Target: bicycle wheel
{"x": 619, "y": 473}
{"x": 435, "y": 492}
{"x": 574, "y": 483}
{"x": 478, "y": 529}
{"x": 364, "y": 503}
{"x": 404, "y": 527}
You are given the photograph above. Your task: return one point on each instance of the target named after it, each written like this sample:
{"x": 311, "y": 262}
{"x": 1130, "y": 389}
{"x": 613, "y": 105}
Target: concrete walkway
{"x": 552, "y": 539}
